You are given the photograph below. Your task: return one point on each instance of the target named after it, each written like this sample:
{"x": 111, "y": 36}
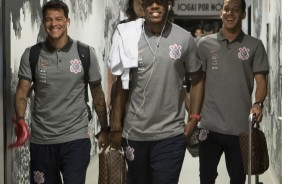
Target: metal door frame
{"x": 2, "y": 120}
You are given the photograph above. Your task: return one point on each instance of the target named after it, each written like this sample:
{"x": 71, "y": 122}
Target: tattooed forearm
{"x": 99, "y": 104}
{"x": 21, "y": 97}
{"x": 21, "y": 106}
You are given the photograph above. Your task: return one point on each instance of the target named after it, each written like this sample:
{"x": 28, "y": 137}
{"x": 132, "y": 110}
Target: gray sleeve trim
{"x": 95, "y": 82}
{"x": 25, "y": 78}
{"x": 262, "y": 72}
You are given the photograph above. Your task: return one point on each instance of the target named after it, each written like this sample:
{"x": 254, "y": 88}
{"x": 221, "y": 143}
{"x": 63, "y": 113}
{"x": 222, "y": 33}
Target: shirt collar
{"x": 166, "y": 31}
{"x": 66, "y": 48}
{"x": 221, "y": 37}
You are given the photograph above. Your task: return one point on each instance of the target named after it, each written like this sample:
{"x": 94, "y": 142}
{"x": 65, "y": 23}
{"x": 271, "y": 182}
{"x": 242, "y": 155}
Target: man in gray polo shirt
{"x": 154, "y": 132}
{"x": 59, "y": 141}
{"x": 232, "y": 61}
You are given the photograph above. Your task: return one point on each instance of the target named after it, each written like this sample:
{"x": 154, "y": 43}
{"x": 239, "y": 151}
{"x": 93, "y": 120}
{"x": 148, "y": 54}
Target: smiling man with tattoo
{"x": 60, "y": 144}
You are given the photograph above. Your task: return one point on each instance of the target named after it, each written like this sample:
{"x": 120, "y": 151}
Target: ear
{"x": 244, "y": 15}
{"x": 68, "y": 21}
{"x": 142, "y": 5}
{"x": 169, "y": 5}
{"x": 220, "y": 13}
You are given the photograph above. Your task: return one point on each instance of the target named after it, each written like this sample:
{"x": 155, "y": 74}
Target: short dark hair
{"x": 130, "y": 10}
{"x": 243, "y": 5}
{"x": 172, "y": 2}
{"x": 208, "y": 27}
{"x": 55, "y": 4}
{"x": 199, "y": 26}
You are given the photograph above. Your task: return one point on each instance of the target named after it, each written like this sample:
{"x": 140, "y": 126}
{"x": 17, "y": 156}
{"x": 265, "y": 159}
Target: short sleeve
{"x": 24, "y": 69}
{"x": 192, "y": 62}
{"x": 260, "y": 64}
{"x": 202, "y": 55}
{"x": 94, "y": 69}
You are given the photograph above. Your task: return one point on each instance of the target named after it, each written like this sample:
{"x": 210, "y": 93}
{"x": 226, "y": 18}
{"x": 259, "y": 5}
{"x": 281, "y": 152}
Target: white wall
{"x": 266, "y": 25}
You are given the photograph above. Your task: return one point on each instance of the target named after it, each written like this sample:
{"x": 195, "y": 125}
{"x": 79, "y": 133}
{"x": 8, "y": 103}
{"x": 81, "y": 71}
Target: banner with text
{"x": 197, "y": 7}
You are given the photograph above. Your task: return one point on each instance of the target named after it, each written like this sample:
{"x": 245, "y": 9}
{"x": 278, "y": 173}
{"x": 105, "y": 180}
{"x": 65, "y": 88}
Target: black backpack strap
{"x": 84, "y": 55}
{"x": 33, "y": 59}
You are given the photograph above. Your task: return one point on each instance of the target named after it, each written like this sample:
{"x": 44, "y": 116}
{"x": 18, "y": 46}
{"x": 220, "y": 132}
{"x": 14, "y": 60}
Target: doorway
{"x": 191, "y": 24}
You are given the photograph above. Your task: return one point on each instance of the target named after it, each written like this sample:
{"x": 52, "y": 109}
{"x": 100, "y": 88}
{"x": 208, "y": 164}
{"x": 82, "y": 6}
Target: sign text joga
{"x": 197, "y": 7}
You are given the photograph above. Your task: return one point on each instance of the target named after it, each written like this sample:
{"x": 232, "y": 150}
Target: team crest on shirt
{"x": 175, "y": 51}
{"x": 75, "y": 66}
{"x": 203, "y": 135}
{"x": 243, "y": 53}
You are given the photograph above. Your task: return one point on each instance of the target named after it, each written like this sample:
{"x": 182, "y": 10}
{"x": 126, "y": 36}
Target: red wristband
{"x": 196, "y": 116}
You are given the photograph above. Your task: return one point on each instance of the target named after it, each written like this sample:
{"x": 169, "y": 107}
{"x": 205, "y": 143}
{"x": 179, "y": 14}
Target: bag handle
{"x": 252, "y": 119}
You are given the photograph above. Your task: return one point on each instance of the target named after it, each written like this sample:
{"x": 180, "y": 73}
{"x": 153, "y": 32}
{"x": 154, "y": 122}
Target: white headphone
{"x": 169, "y": 7}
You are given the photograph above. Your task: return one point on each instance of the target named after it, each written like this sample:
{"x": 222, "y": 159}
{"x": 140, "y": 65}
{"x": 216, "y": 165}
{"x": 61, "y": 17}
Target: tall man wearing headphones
{"x": 149, "y": 115}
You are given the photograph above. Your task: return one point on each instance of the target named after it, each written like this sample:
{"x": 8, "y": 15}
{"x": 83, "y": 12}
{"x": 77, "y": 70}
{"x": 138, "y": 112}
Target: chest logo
{"x": 243, "y": 53}
{"x": 75, "y": 66}
{"x": 175, "y": 51}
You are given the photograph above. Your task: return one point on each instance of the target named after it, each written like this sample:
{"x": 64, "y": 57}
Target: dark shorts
{"x": 156, "y": 162}
{"x": 210, "y": 152}
{"x": 49, "y": 162}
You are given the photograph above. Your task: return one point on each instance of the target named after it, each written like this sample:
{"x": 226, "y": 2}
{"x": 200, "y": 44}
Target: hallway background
{"x": 93, "y": 22}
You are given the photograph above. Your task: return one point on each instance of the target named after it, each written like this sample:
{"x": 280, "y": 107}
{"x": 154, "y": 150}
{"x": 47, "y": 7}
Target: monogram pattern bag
{"x": 112, "y": 167}
{"x": 259, "y": 153}
{"x": 192, "y": 144}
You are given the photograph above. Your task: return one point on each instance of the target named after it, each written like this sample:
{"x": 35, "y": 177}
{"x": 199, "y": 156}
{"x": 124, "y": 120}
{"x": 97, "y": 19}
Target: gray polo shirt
{"x": 230, "y": 69}
{"x": 155, "y": 108}
{"x": 59, "y": 113}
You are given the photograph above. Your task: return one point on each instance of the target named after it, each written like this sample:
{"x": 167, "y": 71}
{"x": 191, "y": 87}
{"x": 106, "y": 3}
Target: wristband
{"x": 116, "y": 131}
{"x": 259, "y": 103}
{"x": 105, "y": 129}
{"x": 196, "y": 116}
{"x": 20, "y": 117}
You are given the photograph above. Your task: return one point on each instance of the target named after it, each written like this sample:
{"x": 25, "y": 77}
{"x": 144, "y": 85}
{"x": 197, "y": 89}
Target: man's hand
{"x": 103, "y": 139}
{"x": 22, "y": 133}
{"x": 190, "y": 128}
{"x": 257, "y": 111}
{"x": 115, "y": 139}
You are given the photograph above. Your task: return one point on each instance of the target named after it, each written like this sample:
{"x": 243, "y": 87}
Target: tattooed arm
{"x": 119, "y": 101}
{"x": 21, "y": 97}
{"x": 196, "y": 101}
{"x": 99, "y": 105}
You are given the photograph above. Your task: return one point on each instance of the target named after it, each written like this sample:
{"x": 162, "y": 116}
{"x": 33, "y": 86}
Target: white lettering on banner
{"x": 187, "y": 7}
{"x": 197, "y": 7}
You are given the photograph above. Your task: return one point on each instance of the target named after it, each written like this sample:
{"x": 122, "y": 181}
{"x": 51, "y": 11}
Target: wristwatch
{"x": 259, "y": 103}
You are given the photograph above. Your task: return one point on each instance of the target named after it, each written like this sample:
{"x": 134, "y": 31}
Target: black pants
{"x": 48, "y": 162}
{"x": 156, "y": 162}
{"x": 210, "y": 151}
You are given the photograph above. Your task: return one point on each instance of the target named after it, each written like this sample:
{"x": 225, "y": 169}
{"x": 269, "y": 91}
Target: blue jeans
{"x": 71, "y": 159}
{"x": 210, "y": 151}
{"x": 156, "y": 162}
